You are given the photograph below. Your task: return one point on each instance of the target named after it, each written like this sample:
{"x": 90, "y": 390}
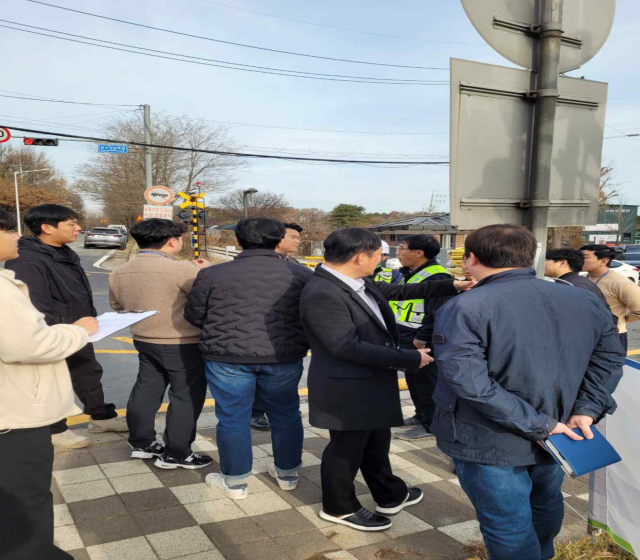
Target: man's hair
{"x": 47, "y": 214}
{"x": 155, "y": 232}
{"x": 342, "y": 245}
{"x": 291, "y": 225}
{"x": 423, "y": 242}
{"x": 259, "y": 233}
{"x": 502, "y": 246}
{"x": 601, "y": 252}
{"x": 7, "y": 221}
{"x": 574, "y": 258}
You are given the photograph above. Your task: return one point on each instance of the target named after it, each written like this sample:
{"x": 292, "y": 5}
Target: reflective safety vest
{"x": 410, "y": 313}
{"x": 385, "y": 275}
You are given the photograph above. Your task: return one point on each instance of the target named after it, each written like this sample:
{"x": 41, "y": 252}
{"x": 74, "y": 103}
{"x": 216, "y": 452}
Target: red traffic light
{"x": 40, "y": 141}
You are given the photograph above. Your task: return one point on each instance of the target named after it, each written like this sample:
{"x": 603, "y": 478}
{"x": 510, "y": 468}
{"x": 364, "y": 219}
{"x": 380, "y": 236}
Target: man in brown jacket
{"x": 622, "y": 295}
{"x": 168, "y": 346}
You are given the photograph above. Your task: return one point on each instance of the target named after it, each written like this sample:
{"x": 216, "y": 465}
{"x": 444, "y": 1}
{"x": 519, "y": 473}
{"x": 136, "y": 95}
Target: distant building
{"x": 437, "y": 225}
{"x": 617, "y": 225}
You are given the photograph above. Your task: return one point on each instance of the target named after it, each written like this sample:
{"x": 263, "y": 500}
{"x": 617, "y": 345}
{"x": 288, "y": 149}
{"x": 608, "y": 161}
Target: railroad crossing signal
{"x": 193, "y": 200}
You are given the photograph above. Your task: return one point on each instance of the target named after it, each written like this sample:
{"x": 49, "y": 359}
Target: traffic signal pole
{"x": 147, "y": 151}
{"x": 196, "y": 244}
{"x": 544, "y": 125}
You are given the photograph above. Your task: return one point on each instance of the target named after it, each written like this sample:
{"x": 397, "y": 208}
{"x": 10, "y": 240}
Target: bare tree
{"x": 117, "y": 182}
{"x": 230, "y": 207}
{"x": 44, "y": 187}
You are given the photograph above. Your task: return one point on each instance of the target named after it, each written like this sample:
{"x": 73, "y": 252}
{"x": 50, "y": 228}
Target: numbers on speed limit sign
{"x": 5, "y": 135}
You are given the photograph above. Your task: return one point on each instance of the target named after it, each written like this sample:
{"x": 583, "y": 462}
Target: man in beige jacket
{"x": 622, "y": 295}
{"x": 167, "y": 345}
{"x": 35, "y": 392}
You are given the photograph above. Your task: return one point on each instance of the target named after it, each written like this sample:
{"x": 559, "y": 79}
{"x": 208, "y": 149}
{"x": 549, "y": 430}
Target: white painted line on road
{"x": 106, "y": 257}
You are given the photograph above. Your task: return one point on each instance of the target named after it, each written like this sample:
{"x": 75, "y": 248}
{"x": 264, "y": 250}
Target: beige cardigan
{"x": 35, "y": 387}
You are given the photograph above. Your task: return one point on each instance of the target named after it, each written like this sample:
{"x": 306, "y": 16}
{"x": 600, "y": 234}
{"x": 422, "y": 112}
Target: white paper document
{"x": 113, "y": 322}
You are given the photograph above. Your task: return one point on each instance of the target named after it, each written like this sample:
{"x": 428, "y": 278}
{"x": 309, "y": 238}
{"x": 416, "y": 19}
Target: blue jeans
{"x": 233, "y": 387}
{"x": 520, "y": 509}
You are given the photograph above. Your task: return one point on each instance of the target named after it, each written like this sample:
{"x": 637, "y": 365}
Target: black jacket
{"x": 575, "y": 279}
{"x": 353, "y": 380}
{"x": 248, "y": 309}
{"x": 58, "y": 285}
{"x": 516, "y": 355}
{"x": 431, "y": 305}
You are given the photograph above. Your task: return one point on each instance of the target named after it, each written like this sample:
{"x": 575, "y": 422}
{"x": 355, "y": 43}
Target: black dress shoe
{"x": 193, "y": 461}
{"x": 362, "y": 520}
{"x": 260, "y": 423}
{"x": 414, "y": 496}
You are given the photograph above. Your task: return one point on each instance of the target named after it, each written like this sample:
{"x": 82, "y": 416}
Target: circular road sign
{"x": 159, "y": 195}
{"x": 506, "y": 26}
{"x": 5, "y": 135}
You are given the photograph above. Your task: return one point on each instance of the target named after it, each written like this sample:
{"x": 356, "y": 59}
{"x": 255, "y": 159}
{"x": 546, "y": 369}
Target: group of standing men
{"x": 508, "y": 374}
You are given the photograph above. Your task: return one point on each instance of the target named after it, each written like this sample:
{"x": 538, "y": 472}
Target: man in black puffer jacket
{"x": 249, "y": 314}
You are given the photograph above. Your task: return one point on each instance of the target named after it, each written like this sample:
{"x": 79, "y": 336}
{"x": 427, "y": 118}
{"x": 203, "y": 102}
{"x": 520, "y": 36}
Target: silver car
{"x": 105, "y": 237}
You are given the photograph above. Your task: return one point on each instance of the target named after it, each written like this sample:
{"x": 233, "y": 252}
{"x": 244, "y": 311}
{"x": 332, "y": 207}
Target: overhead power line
{"x": 212, "y": 62}
{"x": 61, "y": 101}
{"x": 222, "y": 153}
{"x": 193, "y": 36}
{"x": 342, "y": 28}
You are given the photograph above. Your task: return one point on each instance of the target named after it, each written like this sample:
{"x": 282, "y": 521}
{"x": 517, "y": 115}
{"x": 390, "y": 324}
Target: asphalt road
{"x": 117, "y": 356}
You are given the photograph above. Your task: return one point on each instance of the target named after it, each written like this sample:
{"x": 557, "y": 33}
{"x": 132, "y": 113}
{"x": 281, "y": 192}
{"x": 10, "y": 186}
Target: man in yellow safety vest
{"x": 415, "y": 319}
{"x": 383, "y": 273}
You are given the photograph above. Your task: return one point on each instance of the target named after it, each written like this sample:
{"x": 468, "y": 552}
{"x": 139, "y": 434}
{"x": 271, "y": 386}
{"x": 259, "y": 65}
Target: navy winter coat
{"x": 516, "y": 355}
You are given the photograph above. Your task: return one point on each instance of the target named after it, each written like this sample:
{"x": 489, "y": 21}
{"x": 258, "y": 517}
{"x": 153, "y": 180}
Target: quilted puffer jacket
{"x": 249, "y": 309}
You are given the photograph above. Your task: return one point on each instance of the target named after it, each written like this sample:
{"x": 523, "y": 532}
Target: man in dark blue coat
{"x": 511, "y": 373}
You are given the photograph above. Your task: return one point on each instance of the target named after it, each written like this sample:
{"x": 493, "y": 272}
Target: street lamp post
{"x": 245, "y": 194}
{"x": 15, "y": 180}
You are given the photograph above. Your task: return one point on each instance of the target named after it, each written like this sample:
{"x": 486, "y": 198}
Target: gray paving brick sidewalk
{"x": 111, "y": 507}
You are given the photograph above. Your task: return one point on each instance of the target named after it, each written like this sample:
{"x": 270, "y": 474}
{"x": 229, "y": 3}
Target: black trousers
{"x": 258, "y": 408}
{"x": 26, "y": 504}
{"x": 181, "y": 368}
{"x": 624, "y": 340}
{"x": 86, "y": 378}
{"x": 422, "y": 384}
{"x": 349, "y": 451}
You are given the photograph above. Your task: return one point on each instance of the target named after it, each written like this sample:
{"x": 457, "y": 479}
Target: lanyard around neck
{"x": 156, "y": 253}
{"x": 601, "y": 277}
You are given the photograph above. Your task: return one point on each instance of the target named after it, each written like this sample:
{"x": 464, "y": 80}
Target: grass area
{"x": 582, "y": 549}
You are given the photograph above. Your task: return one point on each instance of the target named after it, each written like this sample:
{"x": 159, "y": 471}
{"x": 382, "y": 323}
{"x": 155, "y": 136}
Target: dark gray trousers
{"x": 181, "y": 368}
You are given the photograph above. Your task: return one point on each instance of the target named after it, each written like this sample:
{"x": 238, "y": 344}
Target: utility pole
{"x": 245, "y": 194}
{"x": 148, "y": 169}
{"x": 544, "y": 126}
{"x": 15, "y": 179}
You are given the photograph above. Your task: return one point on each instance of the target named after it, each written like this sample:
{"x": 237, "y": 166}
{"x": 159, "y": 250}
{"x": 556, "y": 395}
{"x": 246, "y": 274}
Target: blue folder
{"x": 581, "y": 457}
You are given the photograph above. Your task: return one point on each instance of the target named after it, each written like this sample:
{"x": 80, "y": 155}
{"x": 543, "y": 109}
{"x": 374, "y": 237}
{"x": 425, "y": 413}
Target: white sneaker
{"x": 217, "y": 482}
{"x": 118, "y": 424}
{"x": 69, "y": 440}
{"x": 285, "y": 482}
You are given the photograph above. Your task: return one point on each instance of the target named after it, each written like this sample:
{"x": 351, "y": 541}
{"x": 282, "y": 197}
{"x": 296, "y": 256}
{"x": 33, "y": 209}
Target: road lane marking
{"x": 101, "y": 351}
{"x": 103, "y": 259}
{"x": 123, "y": 339}
{"x": 84, "y": 418}
{"x": 633, "y": 352}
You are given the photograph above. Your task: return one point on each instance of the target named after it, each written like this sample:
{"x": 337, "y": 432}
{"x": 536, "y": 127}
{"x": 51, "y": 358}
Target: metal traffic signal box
{"x": 492, "y": 114}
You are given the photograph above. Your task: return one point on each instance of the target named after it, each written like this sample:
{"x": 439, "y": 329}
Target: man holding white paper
{"x": 157, "y": 280}
{"x": 60, "y": 289}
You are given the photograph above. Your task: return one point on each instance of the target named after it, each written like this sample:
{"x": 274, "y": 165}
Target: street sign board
{"x": 154, "y": 211}
{"x": 159, "y": 195}
{"x": 113, "y": 148}
{"x": 5, "y": 135}
{"x": 507, "y": 25}
{"x": 491, "y": 140}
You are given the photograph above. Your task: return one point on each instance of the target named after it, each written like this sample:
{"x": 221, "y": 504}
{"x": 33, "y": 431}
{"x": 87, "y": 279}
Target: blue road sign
{"x": 113, "y": 149}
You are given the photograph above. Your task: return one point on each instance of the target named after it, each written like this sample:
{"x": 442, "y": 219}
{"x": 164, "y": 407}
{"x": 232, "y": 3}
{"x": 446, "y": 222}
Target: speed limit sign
{"x": 5, "y": 135}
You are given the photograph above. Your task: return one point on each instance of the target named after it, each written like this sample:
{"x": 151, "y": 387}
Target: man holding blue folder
{"x": 511, "y": 374}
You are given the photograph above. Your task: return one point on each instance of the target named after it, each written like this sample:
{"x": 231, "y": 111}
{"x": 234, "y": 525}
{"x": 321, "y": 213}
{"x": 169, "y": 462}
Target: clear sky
{"x": 58, "y": 69}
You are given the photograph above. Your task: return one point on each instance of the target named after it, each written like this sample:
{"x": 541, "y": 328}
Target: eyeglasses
{"x": 398, "y": 249}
